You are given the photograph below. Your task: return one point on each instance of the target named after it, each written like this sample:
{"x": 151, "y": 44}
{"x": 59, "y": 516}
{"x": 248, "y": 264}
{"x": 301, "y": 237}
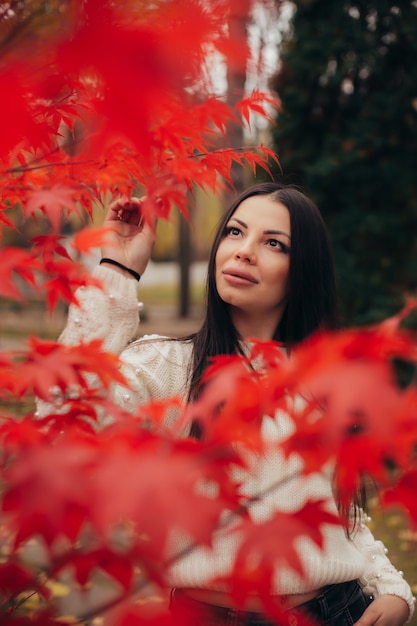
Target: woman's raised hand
{"x": 131, "y": 238}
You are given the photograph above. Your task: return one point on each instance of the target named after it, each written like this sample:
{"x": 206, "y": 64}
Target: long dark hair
{"x": 312, "y": 299}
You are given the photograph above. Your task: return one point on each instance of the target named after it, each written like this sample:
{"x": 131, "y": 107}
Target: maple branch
{"x": 197, "y": 155}
{"x": 142, "y": 584}
{"x": 45, "y": 155}
{"x": 30, "y": 168}
{"x": 16, "y": 604}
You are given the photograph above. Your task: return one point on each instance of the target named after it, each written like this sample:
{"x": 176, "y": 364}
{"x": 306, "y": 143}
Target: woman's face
{"x": 253, "y": 260}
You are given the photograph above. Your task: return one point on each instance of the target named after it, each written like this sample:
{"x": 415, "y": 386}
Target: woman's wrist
{"x": 122, "y": 269}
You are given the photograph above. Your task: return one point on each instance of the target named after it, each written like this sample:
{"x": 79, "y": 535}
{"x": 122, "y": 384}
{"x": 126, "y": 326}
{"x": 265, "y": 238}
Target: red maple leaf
{"x": 18, "y": 434}
{"x": 258, "y": 102}
{"x": 5, "y": 220}
{"x": 130, "y": 614}
{"x": 6, "y": 373}
{"x": 349, "y": 374}
{"x": 271, "y": 545}
{"x": 313, "y": 438}
{"x": 88, "y": 238}
{"x": 360, "y": 455}
{"x": 46, "y": 246}
{"x": 256, "y": 160}
{"x": 17, "y": 262}
{"x": 404, "y": 494}
{"x": 62, "y": 278}
{"x": 14, "y": 580}
{"x": 81, "y": 411}
{"x": 50, "y": 367}
{"x": 47, "y": 490}
{"x": 51, "y": 201}
{"x": 158, "y": 484}
{"x": 356, "y": 394}
{"x": 139, "y": 50}
{"x": 119, "y": 566}
{"x": 230, "y": 407}
{"x": 402, "y": 448}
{"x": 16, "y": 121}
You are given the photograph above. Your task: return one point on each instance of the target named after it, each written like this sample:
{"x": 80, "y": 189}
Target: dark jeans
{"x": 337, "y": 605}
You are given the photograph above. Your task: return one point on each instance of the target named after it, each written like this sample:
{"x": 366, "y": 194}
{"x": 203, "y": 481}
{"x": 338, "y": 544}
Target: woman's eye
{"x": 233, "y": 230}
{"x": 275, "y": 243}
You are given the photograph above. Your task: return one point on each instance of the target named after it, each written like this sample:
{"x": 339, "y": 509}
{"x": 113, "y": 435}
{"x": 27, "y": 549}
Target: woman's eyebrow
{"x": 266, "y": 232}
{"x": 276, "y": 232}
{"x": 239, "y": 221}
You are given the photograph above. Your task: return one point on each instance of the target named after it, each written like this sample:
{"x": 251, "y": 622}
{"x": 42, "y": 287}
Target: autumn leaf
{"x": 59, "y": 503}
{"x": 117, "y": 565}
{"x": 47, "y": 246}
{"x": 258, "y": 102}
{"x": 269, "y": 546}
{"x": 51, "y": 201}
{"x": 114, "y": 100}
{"x": 80, "y": 411}
{"x": 6, "y": 376}
{"x": 312, "y": 439}
{"x": 256, "y": 160}
{"x": 5, "y": 220}
{"x": 230, "y": 408}
{"x": 361, "y": 455}
{"x": 349, "y": 374}
{"x": 49, "y": 368}
{"x": 87, "y": 238}
{"x": 62, "y": 278}
{"x": 51, "y": 504}
{"x": 111, "y": 64}
{"x": 17, "y": 263}
{"x": 130, "y": 614}
{"x": 18, "y": 434}
{"x": 402, "y": 447}
{"x": 15, "y": 580}
{"x": 214, "y": 111}
{"x": 172, "y": 497}
{"x": 16, "y": 121}
{"x": 404, "y": 494}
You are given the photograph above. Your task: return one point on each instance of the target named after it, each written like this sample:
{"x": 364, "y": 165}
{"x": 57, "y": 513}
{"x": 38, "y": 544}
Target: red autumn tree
{"x": 105, "y": 99}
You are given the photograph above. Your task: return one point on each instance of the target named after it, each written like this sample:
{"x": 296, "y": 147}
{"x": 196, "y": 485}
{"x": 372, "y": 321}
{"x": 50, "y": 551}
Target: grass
{"x": 395, "y": 531}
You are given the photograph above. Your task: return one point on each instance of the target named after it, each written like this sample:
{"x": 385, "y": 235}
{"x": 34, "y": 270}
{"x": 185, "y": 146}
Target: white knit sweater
{"x": 156, "y": 369}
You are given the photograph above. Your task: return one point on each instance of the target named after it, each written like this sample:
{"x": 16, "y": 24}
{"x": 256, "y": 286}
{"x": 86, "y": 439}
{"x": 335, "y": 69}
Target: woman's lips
{"x": 239, "y": 277}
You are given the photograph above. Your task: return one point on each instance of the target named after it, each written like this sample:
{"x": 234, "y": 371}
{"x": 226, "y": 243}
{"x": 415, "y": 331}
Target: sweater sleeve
{"x": 154, "y": 367}
{"x": 380, "y": 576}
{"x": 109, "y": 313}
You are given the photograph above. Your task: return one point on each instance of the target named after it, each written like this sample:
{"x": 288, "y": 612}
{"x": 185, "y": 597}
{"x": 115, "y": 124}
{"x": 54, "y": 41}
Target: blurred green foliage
{"x": 347, "y": 134}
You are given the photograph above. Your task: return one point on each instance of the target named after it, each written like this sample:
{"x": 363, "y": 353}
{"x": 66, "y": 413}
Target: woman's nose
{"x": 245, "y": 253}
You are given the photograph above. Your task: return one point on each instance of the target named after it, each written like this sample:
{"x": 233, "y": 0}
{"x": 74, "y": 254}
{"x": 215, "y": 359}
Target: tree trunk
{"x": 236, "y": 79}
{"x": 184, "y": 260}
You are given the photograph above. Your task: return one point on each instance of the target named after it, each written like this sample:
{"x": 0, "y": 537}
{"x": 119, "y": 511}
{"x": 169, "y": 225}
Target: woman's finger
{"x": 125, "y": 210}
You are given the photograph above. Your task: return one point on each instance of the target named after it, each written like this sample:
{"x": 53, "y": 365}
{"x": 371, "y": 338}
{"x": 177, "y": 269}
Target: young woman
{"x": 270, "y": 276}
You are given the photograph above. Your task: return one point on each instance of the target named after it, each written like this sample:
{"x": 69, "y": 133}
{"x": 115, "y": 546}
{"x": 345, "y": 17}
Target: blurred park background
{"x": 346, "y": 133}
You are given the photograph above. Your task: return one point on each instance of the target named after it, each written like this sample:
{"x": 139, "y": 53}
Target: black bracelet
{"x": 122, "y": 267}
